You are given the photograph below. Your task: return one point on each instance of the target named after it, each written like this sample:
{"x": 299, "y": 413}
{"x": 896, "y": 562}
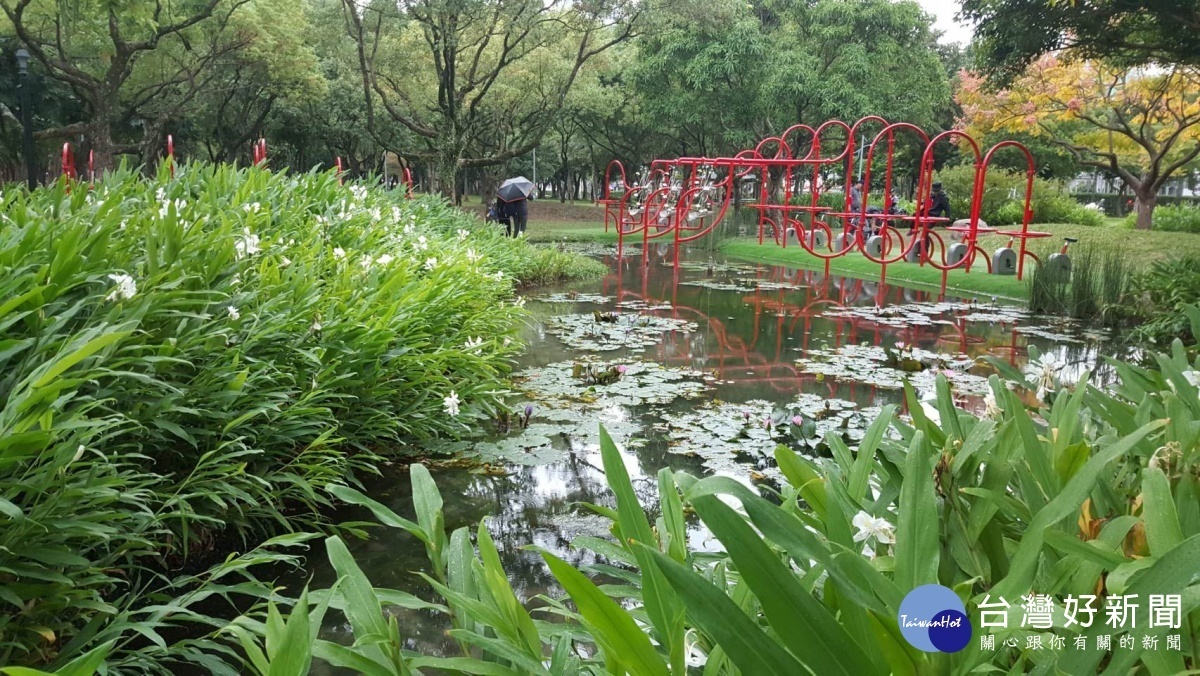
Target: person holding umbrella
{"x": 514, "y": 195}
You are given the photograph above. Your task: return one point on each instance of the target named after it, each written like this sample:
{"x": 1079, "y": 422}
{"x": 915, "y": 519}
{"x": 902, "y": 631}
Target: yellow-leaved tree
{"x": 1141, "y": 124}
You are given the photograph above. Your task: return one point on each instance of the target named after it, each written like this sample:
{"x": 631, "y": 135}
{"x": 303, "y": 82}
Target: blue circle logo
{"x": 933, "y": 618}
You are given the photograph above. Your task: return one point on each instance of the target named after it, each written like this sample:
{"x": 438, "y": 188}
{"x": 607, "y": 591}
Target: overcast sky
{"x": 943, "y": 12}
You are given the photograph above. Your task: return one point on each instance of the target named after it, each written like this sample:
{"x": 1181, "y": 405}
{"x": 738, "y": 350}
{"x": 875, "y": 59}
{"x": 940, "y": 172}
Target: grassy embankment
{"x": 553, "y": 221}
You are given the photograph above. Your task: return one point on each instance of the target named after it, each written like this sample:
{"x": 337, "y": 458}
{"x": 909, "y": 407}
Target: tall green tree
{"x": 1012, "y": 34}
{"x": 440, "y": 68}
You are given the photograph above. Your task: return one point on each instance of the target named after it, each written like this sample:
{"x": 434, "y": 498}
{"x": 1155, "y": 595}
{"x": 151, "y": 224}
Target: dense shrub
{"x": 190, "y": 359}
{"x": 1171, "y": 218}
{"x": 1004, "y": 198}
{"x": 1159, "y": 296}
{"x": 1115, "y": 204}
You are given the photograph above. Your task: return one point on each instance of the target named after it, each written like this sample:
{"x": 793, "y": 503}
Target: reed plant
{"x": 1094, "y": 290}
{"x": 188, "y": 362}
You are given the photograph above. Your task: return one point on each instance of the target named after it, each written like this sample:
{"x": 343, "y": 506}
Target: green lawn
{"x": 551, "y": 221}
{"x": 958, "y": 282}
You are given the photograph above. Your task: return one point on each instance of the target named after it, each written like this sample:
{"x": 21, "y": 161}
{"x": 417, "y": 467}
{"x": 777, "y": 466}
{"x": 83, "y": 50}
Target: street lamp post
{"x": 26, "y": 116}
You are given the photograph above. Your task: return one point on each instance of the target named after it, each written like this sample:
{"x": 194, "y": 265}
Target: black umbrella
{"x": 515, "y": 189}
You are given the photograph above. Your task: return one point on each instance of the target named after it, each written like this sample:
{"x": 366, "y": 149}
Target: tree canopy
{"x": 1012, "y": 34}
{"x": 1142, "y": 124}
{"x": 464, "y": 90}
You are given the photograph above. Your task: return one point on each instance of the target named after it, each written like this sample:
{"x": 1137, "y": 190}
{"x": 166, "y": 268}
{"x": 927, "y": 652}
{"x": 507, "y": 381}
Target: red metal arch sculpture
{"x": 690, "y": 196}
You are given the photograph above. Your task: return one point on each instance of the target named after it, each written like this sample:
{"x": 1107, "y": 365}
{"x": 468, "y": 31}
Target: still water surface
{"x": 716, "y": 354}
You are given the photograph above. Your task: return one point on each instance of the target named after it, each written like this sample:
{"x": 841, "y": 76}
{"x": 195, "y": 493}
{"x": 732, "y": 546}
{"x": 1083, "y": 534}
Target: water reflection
{"x": 752, "y": 324}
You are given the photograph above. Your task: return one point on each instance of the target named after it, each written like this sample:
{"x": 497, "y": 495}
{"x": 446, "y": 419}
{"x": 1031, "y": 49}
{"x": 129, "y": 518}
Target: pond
{"x": 703, "y": 367}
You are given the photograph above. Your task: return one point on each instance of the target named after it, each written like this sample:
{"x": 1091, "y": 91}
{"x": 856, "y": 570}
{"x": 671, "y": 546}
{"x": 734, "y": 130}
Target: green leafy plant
{"x": 1082, "y": 489}
{"x": 187, "y": 362}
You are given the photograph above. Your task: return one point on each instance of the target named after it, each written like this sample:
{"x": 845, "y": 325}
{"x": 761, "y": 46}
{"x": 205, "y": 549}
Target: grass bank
{"x": 187, "y": 363}
{"x": 976, "y": 283}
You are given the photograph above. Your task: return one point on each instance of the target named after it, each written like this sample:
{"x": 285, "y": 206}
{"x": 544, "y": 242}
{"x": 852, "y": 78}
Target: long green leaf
{"x": 814, "y": 635}
{"x": 918, "y": 527}
{"x": 714, "y": 613}
{"x": 615, "y": 629}
{"x": 1024, "y": 561}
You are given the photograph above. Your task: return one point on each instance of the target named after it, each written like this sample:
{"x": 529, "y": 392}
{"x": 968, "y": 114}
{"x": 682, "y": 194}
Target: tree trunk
{"x": 1146, "y": 201}
{"x": 100, "y": 134}
{"x": 151, "y": 148}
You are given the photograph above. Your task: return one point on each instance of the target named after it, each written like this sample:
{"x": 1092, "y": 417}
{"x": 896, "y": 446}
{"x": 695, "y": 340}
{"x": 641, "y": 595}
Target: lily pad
{"x": 872, "y": 365}
{"x": 571, "y": 297}
{"x": 585, "y": 332}
{"x": 740, "y": 438}
{"x": 643, "y": 383}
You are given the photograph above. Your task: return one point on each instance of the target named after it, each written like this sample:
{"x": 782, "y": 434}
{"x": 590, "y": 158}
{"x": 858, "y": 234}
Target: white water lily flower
{"x": 873, "y": 527}
{"x": 431, "y": 264}
{"x": 451, "y": 403}
{"x": 125, "y": 287}
{"x": 472, "y": 256}
{"x": 233, "y": 313}
{"x": 339, "y": 253}
{"x": 385, "y": 259}
{"x": 463, "y": 234}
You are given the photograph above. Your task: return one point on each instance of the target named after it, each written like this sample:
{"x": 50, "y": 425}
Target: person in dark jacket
{"x": 939, "y": 203}
{"x": 500, "y": 212}
{"x": 519, "y": 212}
{"x": 937, "y": 206}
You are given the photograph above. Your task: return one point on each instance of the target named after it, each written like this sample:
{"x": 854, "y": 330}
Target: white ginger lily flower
{"x": 873, "y": 527}
{"x": 451, "y": 403}
{"x": 124, "y": 289}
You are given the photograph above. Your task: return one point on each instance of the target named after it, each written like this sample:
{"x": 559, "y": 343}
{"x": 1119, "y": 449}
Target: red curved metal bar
{"x": 890, "y": 130}
{"x": 921, "y": 225}
{"x": 1027, "y": 212}
{"x": 338, "y": 163}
